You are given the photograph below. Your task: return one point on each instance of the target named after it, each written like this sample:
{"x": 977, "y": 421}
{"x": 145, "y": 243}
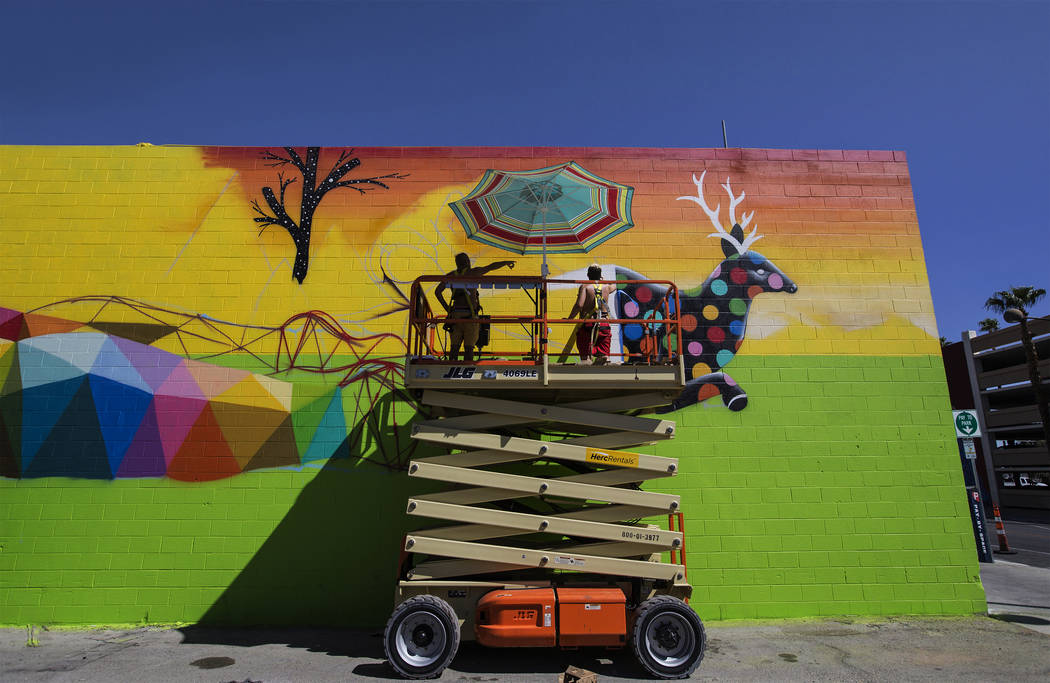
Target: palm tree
{"x": 989, "y": 325}
{"x": 1015, "y": 297}
{"x": 1023, "y": 298}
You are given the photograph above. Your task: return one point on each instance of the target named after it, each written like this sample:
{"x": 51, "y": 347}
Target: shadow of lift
{"x": 331, "y": 562}
{"x": 324, "y": 579}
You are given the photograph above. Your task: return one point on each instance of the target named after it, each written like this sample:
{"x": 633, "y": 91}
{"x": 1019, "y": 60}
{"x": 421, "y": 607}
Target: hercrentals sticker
{"x": 618, "y": 458}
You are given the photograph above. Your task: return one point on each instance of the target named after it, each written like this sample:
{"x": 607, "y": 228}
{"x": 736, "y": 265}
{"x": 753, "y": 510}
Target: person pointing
{"x": 463, "y": 305}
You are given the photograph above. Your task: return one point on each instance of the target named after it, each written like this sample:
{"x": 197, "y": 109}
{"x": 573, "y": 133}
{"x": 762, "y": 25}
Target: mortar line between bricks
{"x": 199, "y": 225}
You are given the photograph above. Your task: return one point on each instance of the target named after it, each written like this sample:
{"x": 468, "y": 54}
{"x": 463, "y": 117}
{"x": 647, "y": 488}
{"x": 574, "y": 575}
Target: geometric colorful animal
{"x": 94, "y": 398}
{"x": 92, "y": 405}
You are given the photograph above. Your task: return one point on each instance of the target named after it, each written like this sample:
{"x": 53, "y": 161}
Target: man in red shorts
{"x": 593, "y": 335}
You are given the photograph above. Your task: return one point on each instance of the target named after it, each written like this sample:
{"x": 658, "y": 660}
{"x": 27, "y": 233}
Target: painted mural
{"x": 713, "y": 315}
{"x": 107, "y": 404}
{"x": 178, "y": 416}
{"x": 95, "y": 400}
{"x": 314, "y": 190}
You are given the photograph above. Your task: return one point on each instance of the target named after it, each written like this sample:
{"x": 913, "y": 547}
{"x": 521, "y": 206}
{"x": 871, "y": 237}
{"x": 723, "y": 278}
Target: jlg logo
{"x": 459, "y": 373}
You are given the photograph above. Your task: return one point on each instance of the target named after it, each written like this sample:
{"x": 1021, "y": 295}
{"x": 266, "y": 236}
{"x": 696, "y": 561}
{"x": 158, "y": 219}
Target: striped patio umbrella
{"x": 561, "y": 209}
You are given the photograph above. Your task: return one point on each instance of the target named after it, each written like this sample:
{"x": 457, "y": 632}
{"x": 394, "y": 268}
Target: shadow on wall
{"x": 332, "y": 560}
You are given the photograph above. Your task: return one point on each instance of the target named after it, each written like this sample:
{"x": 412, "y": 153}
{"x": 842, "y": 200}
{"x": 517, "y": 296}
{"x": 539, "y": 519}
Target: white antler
{"x": 733, "y": 201}
{"x": 699, "y": 199}
{"x": 740, "y": 247}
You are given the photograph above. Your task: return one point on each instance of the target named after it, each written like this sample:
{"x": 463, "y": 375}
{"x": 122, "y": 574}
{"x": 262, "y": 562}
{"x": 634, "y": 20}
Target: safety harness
{"x": 465, "y": 293}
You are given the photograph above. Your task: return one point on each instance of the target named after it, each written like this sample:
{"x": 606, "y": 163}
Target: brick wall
{"x": 170, "y": 452}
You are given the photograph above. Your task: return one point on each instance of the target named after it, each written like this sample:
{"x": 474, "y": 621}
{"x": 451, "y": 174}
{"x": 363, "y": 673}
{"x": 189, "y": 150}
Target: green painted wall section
{"x": 275, "y": 547}
{"x": 838, "y": 491}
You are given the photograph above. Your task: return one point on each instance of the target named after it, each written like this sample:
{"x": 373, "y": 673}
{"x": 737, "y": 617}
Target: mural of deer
{"x": 713, "y": 315}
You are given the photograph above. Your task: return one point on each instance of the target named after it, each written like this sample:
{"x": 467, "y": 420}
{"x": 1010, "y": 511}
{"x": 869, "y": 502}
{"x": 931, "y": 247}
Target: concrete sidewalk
{"x": 1013, "y": 644}
{"x": 1018, "y": 593}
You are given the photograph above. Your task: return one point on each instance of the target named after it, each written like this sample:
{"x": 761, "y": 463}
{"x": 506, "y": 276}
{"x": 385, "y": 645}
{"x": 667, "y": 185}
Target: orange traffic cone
{"x": 1000, "y": 531}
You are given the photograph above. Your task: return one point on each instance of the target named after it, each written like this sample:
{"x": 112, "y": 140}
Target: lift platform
{"x": 545, "y": 500}
{"x": 523, "y": 358}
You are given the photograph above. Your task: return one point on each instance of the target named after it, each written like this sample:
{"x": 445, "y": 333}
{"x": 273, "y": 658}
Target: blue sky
{"x": 963, "y": 87}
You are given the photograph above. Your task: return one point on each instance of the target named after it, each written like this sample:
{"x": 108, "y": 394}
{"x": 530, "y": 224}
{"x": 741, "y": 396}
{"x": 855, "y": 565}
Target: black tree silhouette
{"x": 313, "y": 193}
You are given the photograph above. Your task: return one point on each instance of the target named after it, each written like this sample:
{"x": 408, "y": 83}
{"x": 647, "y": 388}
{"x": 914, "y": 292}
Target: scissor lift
{"x": 540, "y": 542}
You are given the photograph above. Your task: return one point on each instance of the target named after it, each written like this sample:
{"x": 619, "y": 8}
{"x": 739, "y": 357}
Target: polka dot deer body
{"x": 713, "y": 316}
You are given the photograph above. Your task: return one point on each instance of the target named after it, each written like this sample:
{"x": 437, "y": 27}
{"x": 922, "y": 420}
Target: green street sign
{"x": 966, "y": 425}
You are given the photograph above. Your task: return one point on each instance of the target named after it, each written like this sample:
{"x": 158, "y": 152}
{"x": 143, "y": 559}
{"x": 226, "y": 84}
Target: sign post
{"x": 966, "y": 428}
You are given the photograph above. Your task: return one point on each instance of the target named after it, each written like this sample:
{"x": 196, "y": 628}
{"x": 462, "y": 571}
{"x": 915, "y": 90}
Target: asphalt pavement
{"x": 1027, "y": 533}
{"x": 899, "y": 649}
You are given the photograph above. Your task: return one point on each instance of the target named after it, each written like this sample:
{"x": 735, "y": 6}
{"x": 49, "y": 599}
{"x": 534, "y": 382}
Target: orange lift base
{"x": 586, "y": 617}
{"x": 517, "y": 618}
{"x": 592, "y": 616}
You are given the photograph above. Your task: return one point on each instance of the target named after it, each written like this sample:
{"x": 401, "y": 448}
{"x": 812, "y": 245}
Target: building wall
{"x": 191, "y": 434}
{"x": 1013, "y": 432}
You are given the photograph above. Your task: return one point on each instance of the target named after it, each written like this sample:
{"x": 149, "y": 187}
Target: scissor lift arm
{"x": 544, "y": 514}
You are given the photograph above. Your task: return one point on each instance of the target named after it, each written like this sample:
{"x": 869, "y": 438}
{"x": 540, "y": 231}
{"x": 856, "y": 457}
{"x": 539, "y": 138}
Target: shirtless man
{"x": 464, "y": 303}
{"x": 592, "y": 303}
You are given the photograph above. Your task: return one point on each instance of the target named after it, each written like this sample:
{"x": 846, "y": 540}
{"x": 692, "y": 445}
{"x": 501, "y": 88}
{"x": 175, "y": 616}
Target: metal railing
{"x": 657, "y": 337}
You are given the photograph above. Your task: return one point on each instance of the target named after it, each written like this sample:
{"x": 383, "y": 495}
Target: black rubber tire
{"x": 434, "y": 615}
{"x": 683, "y": 632}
